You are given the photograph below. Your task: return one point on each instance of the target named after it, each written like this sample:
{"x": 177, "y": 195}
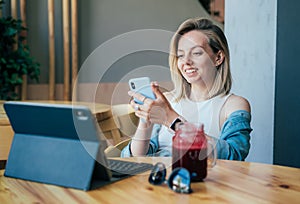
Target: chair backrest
{"x": 115, "y": 151}
{"x": 126, "y": 122}
{"x": 121, "y": 125}
{"x": 126, "y": 119}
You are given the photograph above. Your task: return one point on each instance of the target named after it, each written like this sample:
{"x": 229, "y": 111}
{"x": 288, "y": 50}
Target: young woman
{"x": 200, "y": 71}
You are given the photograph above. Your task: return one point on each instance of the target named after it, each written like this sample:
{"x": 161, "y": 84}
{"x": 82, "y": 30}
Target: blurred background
{"x": 262, "y": 36}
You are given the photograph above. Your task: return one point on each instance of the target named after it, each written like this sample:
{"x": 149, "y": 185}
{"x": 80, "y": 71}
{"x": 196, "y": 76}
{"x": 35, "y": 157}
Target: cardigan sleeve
{"x": 234, "y": 142}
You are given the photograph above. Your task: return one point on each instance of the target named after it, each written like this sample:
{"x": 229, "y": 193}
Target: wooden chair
{"x": 126, "y": 123}
{"x": 121, "y": 125}
{"x": 115, "y": 151}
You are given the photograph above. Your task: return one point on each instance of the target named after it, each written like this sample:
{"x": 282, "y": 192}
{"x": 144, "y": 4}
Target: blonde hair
{"x": 217, "y": 41}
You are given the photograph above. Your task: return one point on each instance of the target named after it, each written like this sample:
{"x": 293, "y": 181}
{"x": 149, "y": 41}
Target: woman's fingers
{"x": 141, "y": 111}
{"x": 137, "y": 96}
{"x": 150, "y": 110}
{"x": 156, "y": 90}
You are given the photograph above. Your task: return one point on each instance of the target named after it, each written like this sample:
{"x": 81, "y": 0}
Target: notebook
{"x": 62, "y": 145}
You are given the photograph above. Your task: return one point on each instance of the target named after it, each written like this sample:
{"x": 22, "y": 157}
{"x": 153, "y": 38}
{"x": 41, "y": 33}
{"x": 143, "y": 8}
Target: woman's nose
{"x": 187, "y": 59}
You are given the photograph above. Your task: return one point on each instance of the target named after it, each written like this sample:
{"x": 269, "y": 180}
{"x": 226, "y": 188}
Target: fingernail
{"x": 155, "y": 83}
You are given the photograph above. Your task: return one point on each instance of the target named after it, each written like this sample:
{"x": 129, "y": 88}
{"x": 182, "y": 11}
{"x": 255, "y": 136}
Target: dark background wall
{"x": 287, "y": 94}
{"x": 101, "y": 20}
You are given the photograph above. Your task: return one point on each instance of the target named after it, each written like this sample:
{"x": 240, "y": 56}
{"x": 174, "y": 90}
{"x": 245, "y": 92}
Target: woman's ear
{"x": 219, "y": 58}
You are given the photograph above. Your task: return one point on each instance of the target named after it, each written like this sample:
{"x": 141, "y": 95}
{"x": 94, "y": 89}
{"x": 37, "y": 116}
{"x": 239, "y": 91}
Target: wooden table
{"x": 6, "y": 134}
{"x": 227, "y": 182}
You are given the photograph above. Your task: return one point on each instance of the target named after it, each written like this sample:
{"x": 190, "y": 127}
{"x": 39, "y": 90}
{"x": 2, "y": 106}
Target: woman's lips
{"x": 190, "y": 71}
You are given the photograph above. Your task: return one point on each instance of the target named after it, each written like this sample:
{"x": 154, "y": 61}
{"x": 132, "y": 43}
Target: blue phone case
{"x": 142, "y": 86}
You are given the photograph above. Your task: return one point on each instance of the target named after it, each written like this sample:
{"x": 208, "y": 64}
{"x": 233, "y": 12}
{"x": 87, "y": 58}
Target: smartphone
{"x": 141, "y": 85}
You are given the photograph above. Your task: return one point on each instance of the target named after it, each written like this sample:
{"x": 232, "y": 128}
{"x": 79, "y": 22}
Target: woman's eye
{"x": 197, "y": 53}
{"x": 179, "y": 56}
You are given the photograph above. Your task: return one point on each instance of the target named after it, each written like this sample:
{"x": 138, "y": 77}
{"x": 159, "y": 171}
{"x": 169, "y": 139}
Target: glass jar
{"x": 190, "y": 150}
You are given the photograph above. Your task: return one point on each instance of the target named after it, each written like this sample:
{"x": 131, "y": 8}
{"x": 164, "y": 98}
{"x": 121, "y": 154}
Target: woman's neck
{"x": 199, "y": 93}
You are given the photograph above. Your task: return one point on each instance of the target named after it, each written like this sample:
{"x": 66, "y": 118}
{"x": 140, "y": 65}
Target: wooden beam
{"x": 51, "y": 50}
{"x": 66, "y": 38}
{"x": 74, "y": 48}
{"x": 14, "y": 8}
{"x": 24, "y": 33}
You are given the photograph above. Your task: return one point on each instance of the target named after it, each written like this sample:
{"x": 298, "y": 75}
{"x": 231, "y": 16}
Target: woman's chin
{"x": 193, "y": 79}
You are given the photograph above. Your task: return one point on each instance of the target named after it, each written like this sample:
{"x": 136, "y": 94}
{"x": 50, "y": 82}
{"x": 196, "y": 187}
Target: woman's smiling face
{"x": 196, "y": 60}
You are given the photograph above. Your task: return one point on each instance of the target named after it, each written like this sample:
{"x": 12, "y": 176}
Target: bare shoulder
{"x": 234, "y": 103}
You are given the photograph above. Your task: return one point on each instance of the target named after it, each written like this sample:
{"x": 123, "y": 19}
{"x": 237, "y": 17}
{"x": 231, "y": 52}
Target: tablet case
{"x": 55, "y": 144}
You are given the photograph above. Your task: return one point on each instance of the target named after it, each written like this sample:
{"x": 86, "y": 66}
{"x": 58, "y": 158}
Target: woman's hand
{"x": 157, "y": 111}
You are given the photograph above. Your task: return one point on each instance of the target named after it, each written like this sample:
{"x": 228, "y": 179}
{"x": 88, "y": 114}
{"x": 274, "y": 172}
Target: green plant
{"x": 15, "y": 59}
